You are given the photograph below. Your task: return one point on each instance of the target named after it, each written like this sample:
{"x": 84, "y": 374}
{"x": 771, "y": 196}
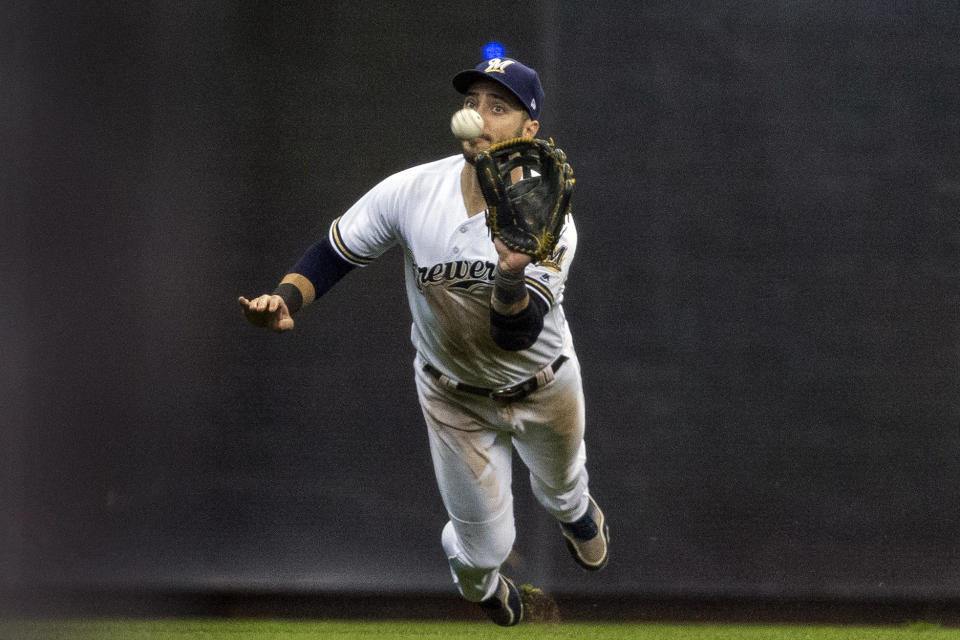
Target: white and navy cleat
{"x": 504, "y": 607}
{"x": 588, "y": 538}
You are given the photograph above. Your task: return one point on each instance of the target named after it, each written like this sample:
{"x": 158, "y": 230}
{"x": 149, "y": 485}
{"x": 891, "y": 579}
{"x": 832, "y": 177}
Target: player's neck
{"x": 470, "y": 189}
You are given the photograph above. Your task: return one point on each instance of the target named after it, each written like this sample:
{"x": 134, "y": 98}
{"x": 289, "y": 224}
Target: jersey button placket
{"x": 456, "y": 248}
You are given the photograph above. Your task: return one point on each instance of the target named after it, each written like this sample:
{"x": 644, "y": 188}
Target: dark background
{"x": 765, "y": 300}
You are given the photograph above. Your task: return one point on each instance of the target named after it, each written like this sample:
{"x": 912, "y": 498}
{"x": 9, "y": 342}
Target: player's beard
{"x": 471, "y": 156}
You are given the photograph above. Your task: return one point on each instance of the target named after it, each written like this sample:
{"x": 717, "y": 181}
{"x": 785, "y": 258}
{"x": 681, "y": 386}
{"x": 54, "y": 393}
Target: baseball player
{"x": 495, "y": 365}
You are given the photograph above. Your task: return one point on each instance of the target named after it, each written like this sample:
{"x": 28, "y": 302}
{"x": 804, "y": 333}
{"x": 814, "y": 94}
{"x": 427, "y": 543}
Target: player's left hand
{"x": 511, "y": 260}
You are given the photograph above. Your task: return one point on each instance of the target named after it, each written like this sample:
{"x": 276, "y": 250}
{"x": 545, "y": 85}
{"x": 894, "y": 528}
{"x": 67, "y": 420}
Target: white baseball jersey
{"x": 449, "y": 262}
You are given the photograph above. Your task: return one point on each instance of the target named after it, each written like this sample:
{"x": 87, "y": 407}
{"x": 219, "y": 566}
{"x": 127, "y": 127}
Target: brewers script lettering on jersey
{"x": 449, "y": 262}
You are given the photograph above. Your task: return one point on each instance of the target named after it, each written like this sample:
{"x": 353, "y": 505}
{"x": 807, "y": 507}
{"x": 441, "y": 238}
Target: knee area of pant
{"x": 479, "y": 546}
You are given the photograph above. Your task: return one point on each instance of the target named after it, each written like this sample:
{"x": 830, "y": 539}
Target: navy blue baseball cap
{"x": 521, "y": 80}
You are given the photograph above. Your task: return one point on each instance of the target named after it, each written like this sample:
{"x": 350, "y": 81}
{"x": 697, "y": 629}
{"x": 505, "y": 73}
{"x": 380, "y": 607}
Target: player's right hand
{"x": 268, "y": 311}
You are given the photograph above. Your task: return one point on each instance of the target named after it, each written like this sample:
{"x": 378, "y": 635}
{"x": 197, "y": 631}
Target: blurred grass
{"x": 348, "y": 630}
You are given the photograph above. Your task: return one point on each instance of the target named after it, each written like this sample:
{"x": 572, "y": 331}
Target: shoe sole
{"x": 580, "y": 561}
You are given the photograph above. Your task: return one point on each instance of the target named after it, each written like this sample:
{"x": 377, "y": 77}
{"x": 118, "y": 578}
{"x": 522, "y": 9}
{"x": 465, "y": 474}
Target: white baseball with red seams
{"x": 466, "y": 124}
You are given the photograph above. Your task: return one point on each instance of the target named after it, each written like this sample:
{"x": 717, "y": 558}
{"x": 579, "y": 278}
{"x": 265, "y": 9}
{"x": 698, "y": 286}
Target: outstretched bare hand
{"x": 268, "y": 311}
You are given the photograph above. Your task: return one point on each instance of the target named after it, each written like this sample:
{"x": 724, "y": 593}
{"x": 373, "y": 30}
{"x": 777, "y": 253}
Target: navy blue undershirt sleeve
{"x": 519, "y": 331}
{"x": 322, "y": 266}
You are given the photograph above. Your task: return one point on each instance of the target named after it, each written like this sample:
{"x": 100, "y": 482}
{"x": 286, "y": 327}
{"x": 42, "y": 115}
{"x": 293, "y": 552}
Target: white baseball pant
{"x": 471, "y": 443}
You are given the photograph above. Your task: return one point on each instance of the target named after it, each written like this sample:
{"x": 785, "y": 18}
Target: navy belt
{"x": 516, "y": 392}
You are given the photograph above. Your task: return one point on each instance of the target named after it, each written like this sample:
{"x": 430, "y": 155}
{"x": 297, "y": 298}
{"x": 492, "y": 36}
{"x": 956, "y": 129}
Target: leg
{"x": 549, "y": 440}
{"x": 472, "y": 463}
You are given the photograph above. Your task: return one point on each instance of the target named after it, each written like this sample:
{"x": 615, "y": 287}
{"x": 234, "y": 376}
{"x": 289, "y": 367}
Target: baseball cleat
{"x": 504, "y": 607}
{"x": 588, "y": 538}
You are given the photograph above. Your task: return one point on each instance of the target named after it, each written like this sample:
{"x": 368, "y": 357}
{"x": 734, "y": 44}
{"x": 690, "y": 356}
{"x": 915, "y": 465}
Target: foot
{"x": 504, "y": 607}
{"x": 588, "y": 538}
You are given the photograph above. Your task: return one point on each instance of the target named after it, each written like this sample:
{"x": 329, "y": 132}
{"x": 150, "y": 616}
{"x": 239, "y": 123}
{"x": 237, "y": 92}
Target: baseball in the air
{"x": 466, "y": 124}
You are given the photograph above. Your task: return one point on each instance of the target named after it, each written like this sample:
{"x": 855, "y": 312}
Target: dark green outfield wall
{"x": 765, "y": 299}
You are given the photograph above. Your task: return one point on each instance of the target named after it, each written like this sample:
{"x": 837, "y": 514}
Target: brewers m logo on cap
{"x": 497, "y": 65}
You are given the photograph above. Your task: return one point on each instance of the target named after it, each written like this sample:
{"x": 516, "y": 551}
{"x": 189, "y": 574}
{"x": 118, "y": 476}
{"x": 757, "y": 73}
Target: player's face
{"x": 503, "y": 117}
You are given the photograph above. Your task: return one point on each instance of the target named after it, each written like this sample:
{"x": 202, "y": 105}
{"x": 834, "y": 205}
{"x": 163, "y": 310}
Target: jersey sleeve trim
{"x": 343, "y": 250}
{"x": 540, "y": 289}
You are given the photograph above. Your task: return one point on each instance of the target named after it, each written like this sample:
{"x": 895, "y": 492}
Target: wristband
{"x": 292, "y": 296}
{"x": 508, "y": 287}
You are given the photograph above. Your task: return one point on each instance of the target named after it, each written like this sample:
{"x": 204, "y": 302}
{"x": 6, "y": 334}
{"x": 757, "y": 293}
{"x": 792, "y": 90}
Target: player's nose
{"x": 484, "y": 115}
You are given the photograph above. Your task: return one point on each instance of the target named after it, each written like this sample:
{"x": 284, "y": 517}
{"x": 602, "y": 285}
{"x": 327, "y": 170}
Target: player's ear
{"x": 530, "y": 128}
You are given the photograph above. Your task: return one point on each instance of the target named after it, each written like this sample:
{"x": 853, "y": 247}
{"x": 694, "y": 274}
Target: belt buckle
{"x": 510, "y": 393}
